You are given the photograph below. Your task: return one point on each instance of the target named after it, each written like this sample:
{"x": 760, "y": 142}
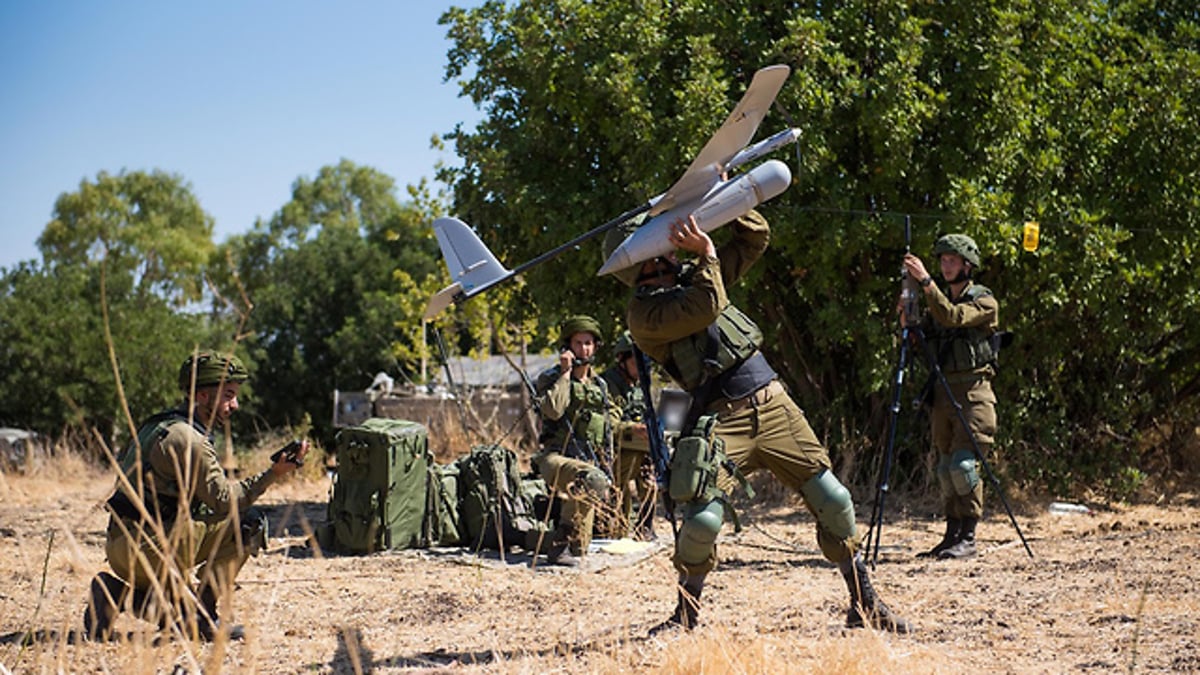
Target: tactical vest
{"x": 585, "y": 416}
{"x": 632, "y": 401}
{"x": 160, "y": 503}
{"x": 963, "y": 349}
{"x": 711, "y": 353}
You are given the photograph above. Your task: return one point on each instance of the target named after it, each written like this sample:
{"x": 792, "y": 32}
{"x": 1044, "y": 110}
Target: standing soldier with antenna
{"x": 959, "y": 328}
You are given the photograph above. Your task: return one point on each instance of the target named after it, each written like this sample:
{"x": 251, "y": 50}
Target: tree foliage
{"x": 332, "y": 277}
{"x": 325, "y": 294}
{"x": 969, "y": 117}
{"x": 129, "y": 245}
{"x": 147, "y": 227}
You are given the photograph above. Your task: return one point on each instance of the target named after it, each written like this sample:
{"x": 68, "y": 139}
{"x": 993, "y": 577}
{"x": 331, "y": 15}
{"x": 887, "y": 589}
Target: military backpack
{"x": 497, "y": 507}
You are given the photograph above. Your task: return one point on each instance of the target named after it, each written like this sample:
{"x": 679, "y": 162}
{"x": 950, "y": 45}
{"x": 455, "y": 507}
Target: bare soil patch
{"x": 1112, "y": 591}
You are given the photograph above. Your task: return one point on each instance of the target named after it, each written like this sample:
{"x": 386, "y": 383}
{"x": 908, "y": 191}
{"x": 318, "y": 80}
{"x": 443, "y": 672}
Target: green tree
{"x": 971, "y": 116}
{"x": 332, "y": 279}
{"x": 147, "y": 227}
{"x": 130, "y": 245}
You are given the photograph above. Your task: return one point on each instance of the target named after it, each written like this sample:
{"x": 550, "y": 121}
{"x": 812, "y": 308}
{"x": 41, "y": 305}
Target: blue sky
{"x": 240, "y": 99}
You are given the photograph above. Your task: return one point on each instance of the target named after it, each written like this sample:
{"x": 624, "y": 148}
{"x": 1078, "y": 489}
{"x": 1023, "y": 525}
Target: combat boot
{"x": 207, "y": 624}
{"x": 687, "y": 606}
{"x": 865, "y": 606}
{"x": 643, "y": 528}
{"x": 953, "y": 525}
{"x": 104, "y": 603}
{"x": 559, "y": 552}
{"x": 965, "y": 546}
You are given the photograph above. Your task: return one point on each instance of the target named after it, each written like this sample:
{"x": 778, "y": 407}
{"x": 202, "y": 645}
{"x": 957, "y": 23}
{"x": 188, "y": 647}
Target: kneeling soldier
{"x": 577, "y": 418}
{"x": 174, "y": 514}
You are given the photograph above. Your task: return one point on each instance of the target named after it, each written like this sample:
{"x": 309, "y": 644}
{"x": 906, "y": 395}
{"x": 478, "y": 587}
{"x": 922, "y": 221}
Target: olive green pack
{"x": 695, "y": 465}
{"x": 496, "y": 504}
{"x": 380, "y": 492}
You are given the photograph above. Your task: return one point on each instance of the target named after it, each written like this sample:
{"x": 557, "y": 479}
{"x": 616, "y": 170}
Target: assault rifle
{"x": 659, "y": 454}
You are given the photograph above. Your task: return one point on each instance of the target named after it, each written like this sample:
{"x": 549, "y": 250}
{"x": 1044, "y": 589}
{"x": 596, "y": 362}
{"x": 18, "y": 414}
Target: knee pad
{"x": 963, "y": 472}
{"x": 698, "y": 535}
{"x": 593, "y": 482}
{"x": 831, "y": 500}
{"x": 943, "y": 476}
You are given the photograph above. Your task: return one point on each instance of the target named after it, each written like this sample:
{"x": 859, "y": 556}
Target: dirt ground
{"x": 1111, "y": 591}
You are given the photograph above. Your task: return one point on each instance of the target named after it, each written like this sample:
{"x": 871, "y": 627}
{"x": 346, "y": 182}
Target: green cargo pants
{"x": 213, "y": 550}
{"x": 978, "y": 403}
{"x": 580, "y": 486}
{"x": 767, "y": 430}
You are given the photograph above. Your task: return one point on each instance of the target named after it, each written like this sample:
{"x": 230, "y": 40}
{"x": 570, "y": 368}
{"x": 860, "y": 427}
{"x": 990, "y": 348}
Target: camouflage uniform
{"x": 199, "y": 524}
{"x": 203, "y": 531}
{"x": 577, "y": 415}
{"x": 764, "y": 429}
{"x": 974, "y": 310}
{"x": 632, "y": 447}
{"x": 959, "y": 333}
{"x": 759, "y": 424}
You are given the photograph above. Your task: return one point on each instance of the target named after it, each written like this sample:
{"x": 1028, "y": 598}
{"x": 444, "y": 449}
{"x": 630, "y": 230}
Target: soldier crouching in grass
{"x": 681, "y": 317}
{"x": 175, "y": 515}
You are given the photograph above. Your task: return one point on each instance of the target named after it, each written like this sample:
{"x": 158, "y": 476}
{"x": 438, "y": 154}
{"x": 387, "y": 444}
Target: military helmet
{"x": 612, "y": 241}
{"x": 623, "y": 345}
{"x": 211, "y": 369}
{"x": 960, "y": 244}
{"x": 579, "y": 323}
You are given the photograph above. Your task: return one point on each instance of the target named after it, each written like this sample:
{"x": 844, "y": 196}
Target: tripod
{"x": 912, "y": 332}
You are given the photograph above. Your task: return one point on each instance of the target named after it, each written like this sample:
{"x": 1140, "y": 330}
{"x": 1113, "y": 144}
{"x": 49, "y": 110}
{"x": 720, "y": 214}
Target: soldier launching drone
{"x": 742, "y": 418}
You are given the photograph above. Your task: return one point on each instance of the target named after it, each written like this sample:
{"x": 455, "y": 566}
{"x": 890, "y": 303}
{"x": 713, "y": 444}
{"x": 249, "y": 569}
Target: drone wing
{"x": 733, "y": 135}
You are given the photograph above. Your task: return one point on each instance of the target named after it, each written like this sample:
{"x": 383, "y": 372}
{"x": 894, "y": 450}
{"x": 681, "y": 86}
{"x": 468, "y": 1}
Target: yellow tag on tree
{"x": 1029, "y": 240}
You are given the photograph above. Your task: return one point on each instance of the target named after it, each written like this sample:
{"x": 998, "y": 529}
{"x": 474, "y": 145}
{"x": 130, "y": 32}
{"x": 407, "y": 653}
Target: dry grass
{"x": 1110, "y": 592}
